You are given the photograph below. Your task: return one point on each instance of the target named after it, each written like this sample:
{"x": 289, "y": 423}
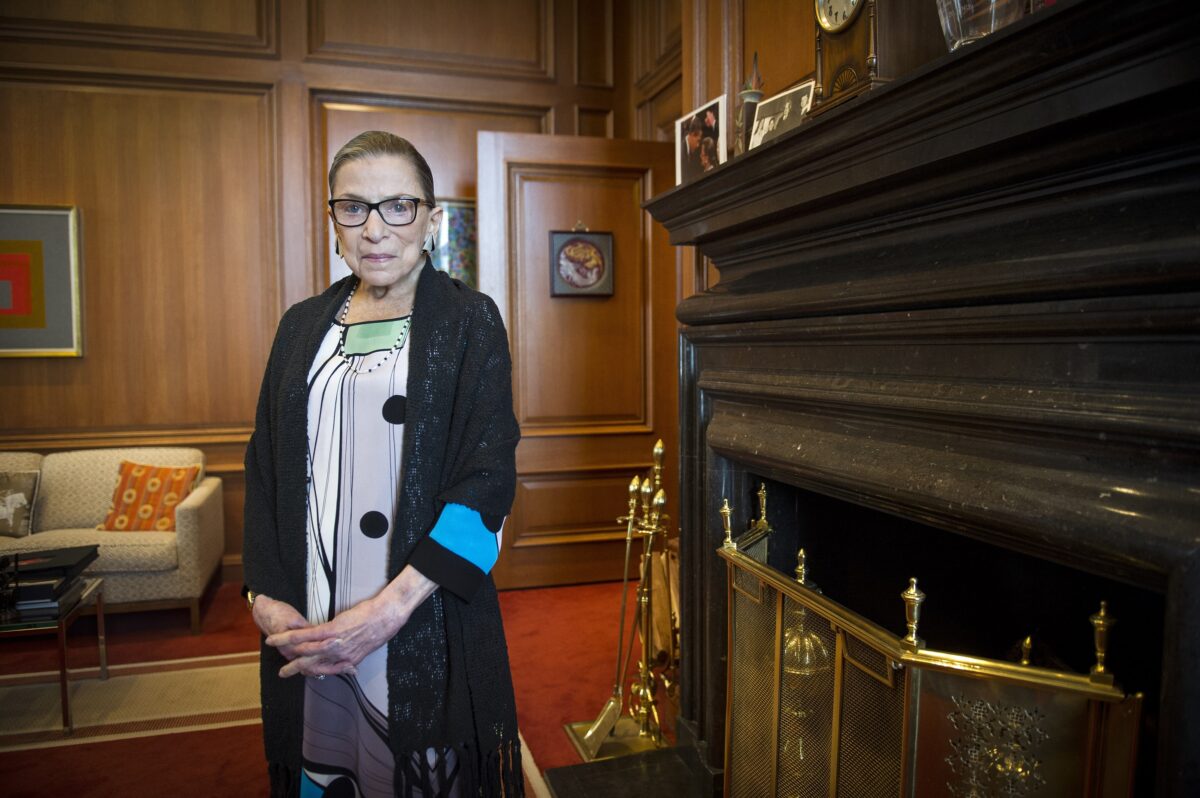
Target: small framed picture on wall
{"x": 700, "y": 140}
{"x": 581, "y": 263}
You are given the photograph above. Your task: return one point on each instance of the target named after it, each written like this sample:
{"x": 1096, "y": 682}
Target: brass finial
{"x": 658, "y": 464}
{"x": 762, "y": 504}
{"x": 1101, "y": 623}
{"x": 1026, "y": 649}
{"x": 802, "y": 571}
{"x": 726, "y": 511}
{"x": 913, "y": 599}
{"x": 634, "y": 487}
{"x": 647, "y": 492}
{"x": 660, "y": 501}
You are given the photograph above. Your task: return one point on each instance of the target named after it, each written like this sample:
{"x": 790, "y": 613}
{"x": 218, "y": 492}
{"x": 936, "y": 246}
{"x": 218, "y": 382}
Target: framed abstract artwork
{"x": 40, "y": 313}
{"x": 581, "y": 263}
{"x": 457, "y": 251}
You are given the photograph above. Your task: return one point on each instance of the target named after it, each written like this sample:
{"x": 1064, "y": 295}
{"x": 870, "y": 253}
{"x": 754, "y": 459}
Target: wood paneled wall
{"x": 655, "y": 37}
{"x": 194, "y": 138}
{"x": 720, "y": 37}
{"x": 718, "y": 41}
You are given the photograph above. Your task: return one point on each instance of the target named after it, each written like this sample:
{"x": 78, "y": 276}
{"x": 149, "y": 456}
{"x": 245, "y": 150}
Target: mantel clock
{"x": 865, "y": 43}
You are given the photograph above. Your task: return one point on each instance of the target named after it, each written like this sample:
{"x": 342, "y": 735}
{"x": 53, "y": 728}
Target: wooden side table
{"x": 93, "y": 589}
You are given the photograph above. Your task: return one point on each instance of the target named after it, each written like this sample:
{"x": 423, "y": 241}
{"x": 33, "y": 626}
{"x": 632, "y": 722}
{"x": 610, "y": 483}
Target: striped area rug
{"x": 136, "y": 700}
{"x": 147, "y": 699}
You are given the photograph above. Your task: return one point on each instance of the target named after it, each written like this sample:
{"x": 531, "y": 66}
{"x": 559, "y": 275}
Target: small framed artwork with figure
{"x": 581, "y": 263}
{"x": 700, "y": 140}
{"x": 785, "y": 111}
{"x": 457, "y": 250}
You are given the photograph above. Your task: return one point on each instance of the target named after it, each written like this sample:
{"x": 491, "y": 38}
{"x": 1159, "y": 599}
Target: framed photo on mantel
{"x": 785, "y": 111}
{"x": 700, "y": 140}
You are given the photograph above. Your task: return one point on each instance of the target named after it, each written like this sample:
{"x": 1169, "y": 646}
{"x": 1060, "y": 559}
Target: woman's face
{"x": 377, "y": 253}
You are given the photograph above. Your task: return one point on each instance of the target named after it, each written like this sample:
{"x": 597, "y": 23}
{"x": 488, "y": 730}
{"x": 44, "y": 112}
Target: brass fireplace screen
{"x": 823, "y": 702}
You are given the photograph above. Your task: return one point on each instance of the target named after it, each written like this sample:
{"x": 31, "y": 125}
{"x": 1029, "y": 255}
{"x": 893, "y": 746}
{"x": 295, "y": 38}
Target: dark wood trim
{"x": 731, "y": 65}
{"x": 65, "y": 440}
{"x": 608, "y": 121}
{"x": 609, "y": 47}
{"x": 263, "y": 44}
{"x": 541, "y": 68}
{"x": 664, "y": 73}
{"x": 116, "y": 79}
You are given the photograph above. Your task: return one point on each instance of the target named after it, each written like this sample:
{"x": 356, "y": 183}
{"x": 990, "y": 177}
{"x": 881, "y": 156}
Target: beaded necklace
{"x": 401, "y": 337}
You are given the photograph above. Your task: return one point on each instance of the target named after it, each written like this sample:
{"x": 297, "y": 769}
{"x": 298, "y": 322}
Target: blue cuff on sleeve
{"x": 461, "y": 530}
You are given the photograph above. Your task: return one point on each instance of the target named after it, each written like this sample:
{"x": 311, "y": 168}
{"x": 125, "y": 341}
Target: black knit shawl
{"x": 448, "y": 676}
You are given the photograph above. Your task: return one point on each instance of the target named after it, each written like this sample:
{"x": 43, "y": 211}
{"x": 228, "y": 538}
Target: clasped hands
{"x": 339, "y": 644}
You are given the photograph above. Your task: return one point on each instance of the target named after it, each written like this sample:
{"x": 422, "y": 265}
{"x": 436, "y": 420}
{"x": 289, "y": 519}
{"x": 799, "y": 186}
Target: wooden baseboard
{"x": 231, "y": 568}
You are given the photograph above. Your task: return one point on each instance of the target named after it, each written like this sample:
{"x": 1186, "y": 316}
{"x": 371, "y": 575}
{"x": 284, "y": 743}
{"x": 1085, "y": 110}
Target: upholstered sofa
{"x": 141, "y": 570}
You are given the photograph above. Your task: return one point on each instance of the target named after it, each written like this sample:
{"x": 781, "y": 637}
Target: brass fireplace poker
{"x": 612, "y": 733}
{"x": 593, "y": 735}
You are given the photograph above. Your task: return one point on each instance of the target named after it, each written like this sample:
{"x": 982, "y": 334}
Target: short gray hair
{"x": 374, "y": 143}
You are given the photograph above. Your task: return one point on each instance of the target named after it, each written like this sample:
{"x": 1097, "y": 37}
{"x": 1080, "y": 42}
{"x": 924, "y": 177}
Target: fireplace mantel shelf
{"x": 942, "y": 137}
{"x": 970, "y": 298}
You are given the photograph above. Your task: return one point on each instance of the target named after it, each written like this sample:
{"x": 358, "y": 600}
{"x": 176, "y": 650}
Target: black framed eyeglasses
{"x": 395, "y": 211}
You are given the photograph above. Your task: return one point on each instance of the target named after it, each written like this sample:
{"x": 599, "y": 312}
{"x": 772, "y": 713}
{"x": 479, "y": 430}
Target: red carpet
{"x": 562, "y": 645}
{"x": 207, "y": 764}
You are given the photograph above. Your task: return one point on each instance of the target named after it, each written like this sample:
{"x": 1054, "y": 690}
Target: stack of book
{"x": 49, "y": 583}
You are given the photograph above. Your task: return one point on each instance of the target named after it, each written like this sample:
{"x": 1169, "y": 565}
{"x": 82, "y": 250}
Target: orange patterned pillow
{"x": 146, "y": 497}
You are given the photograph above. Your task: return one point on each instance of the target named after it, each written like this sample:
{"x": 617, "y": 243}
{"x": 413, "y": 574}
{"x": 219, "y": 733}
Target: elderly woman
{"x": 378, "y": 477}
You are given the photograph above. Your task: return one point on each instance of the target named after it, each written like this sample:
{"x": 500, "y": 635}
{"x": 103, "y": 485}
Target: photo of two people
{"x": 700, "y": 140}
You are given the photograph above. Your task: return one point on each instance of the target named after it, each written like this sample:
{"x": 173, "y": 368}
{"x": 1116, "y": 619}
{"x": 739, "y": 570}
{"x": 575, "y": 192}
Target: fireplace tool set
{"x": 613, "y": 733}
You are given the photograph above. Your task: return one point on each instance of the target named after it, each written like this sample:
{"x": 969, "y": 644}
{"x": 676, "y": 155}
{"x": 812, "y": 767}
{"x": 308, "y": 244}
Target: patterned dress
{"x": 356, "y": 412}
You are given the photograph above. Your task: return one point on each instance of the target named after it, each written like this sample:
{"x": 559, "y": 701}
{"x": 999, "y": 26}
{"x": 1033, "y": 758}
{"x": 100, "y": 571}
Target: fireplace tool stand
{"x": 613, "y": 733}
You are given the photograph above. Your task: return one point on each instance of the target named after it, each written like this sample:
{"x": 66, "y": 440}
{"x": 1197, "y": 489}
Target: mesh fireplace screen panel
{"x": 817, "y": 708}
{"x": 752, "y": 677}
{"x": 873, "y": 660}
{"x": 871, "y": 726}
{"x": 805, "y": 703}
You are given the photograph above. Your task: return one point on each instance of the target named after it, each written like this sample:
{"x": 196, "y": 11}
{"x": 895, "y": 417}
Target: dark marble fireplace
{"x": 957, "y": 332}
